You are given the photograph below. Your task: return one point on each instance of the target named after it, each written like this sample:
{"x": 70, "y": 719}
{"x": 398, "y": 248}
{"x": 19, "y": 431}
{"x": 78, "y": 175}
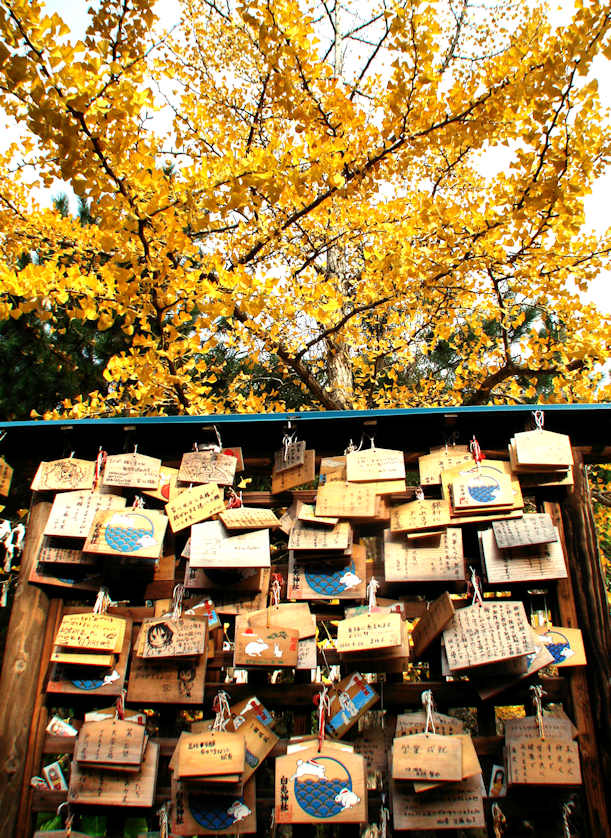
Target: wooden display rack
{"x": 578, "y": 601}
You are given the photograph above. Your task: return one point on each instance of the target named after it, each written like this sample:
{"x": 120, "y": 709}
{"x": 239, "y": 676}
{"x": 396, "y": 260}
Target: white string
{"x": 372, "y": 587}
{"x": 498, "y": 820}
{"x": 384, "y": 818}
{"x": 537, "y": 694}
{"x": 567, "y": 811}
{"x": 138, "y": 502}
{"x": 324, "y": 706}
{"x": 427, "y": 702}
{"x": 347, "y": 704}
{"x": 372, "y": 444}
{"x": 276, "y": 589}
{"x": 223, "y": 713}
{"x": 164, "y": 822}
{"x": 419, "y": 493}
{"x": 102, "y": 601}
{"x": 177, "y": 598}
{"x": 539, "y": 419}
{"x": 477, "y": 591}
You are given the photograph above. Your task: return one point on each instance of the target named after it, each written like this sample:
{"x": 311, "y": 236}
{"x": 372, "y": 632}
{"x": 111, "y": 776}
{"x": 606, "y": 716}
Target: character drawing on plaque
{"x": 483, "y": 488}
{"x": 128, "y": 532}
{"x": 186, "y": 677}
{"x": 211, "y": 811}
{"x": 557, "y": 644}
{"x": 255, "y": 646}
{"x": 159, "y": 636}
{"x": 330, "y": 582}
{"x": 323, "y": 787}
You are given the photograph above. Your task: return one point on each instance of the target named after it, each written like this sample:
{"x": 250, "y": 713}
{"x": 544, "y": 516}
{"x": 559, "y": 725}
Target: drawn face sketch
{"x": 186, "y": 677}
{"x": 159, "y": 636}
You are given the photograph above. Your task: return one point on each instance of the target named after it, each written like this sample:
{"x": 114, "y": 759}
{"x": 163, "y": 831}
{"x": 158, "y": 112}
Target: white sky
{"x": 598, "y": 204}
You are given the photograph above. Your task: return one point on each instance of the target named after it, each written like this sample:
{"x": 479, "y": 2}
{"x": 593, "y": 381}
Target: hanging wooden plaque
{"x": 528, "y": 728}
{"x": 439, "y": 558}
{"x": 305, "y": 512}
{"x": 493, "y": 471}
{"x": 6, "y": 476}
{"x": 248, "y": 518}
{"x": 132, "y": 470}
{"x": 239, "y": 580}
{"x": 332, "y": 469}
{"x": 206, "y": 813}
{"x": 521, "y": 564}
{"x": 167, "y": 488}
{"x": 113, "y": 743}
{"x": 543, "y": 762}
{"x": 543, "y": 448}
{"x": 295, "y": 615}
{"x": 258, "y": 742}
{"x": 208, "y": 753}
{"x": 348, "y": 700}
{"x": 371, "y": 631}
{"x": 167, "y": 681}
{"x": 235, "y": 451}
{"x": 89, "y": 786}
{"x": 432, "y": 623}
{"x": 565, "y": 645}
{"x": 375, "y": 464}
{"x": 194, "y": 505}
{"x": 312, "y": 537}
{"x": 290, "y": 456}
{"x": 307, "y": 654}
{"x": 131, "y": 532}
{"x": 315, "y": 786}
{"x": 420, "y": 515}
{"x": 207, "y": 467}
{"x": 236, "y": 602}
{"x": 63, "y": 475}
{"x": 346, "y": 500}
{"x": 458, "y": 807}
{"x": 56, "y": 552}
{"x": 288, "y": 519}
{"x": 481, "y": 487}
{"x": 168, "y": 638}
{"x": 483, "y": 634}
{"x": 427, "y": 756}
{"x": 212, "y": 546}
{"x": 410, "y": 723}
{"x": 72, "y": 513}
{"x": 344, "y": 579}
{"x": 533, "y": 528}
{"x": 102, "y": 659}
{"x": 297, "y": 476}
{"x": 431, "y": 465}
{"x": 488, "y": 688}
{"x": 275, "y": 646}
{"x": 94, "y": 632}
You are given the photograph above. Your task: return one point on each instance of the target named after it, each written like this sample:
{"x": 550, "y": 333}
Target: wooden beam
{"x": 23, "y": 658}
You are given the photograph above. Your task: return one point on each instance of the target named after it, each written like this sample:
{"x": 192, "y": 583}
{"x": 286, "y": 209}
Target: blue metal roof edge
{"x": 314, "y": 415}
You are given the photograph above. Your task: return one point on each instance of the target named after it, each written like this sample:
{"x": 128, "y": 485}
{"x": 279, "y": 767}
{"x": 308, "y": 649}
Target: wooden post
{"x": 20, "y": 673}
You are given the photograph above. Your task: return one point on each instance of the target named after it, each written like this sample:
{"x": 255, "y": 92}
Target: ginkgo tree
{"x": 305, "y": 189}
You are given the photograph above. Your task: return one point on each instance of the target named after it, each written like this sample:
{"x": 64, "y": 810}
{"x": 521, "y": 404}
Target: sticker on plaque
{"x": 248, "y": 518}
{"x": 320, "y": 786}
{"x": 439, "y": 558}
{"x": 212, "y": 546}
{"x": 89, "y": 786}
{"x": 72, "y": 513}
{"x": 427, "y": 756}
{"x": 6, "y": 476}
{"x": 128, "y": 532}
{"x": 371, "y": 464}
{"x": 210, "y": 813}
{"x": 370, "y": 631}
{"x": 275, "y": 646}
{"x": 328, "y": 580}
{"x": 63, "y": 475}
{"x": 207, "y": 467}
{"x": 194, "y": 505}
{"x": 297, "y": 476}
{"x": 132, "y": 470}
{"x": 348, "y": 700}
{"x": 166, "y": 637}
{"x": 487, "y": 633}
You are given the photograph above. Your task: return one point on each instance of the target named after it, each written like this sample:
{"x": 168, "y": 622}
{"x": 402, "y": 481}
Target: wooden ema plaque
{"x": 101, "y": 659}
{"x": 542, "y": 449}
{"x": 488, "y": 633}
{"x": 420, "y": 515}
{"x": 332, "y": 469}
{"x": 470, "y": 765}
{"x": 543, "y": 762}
{"x": 297, "y": 476}
{"x": 95, "y": 632}
{"x": 410, "y": 723}
{"x": 72, "y": 513}
{"x": 438, "y": 558}
{"x": 307, "y": 654}
{"x": 240, "y": 580}
{"x": 528, "y": 728}
{"x": 312, "y": 537}
{"x": 262, "y": 646}
{"x": 531, "y": 529}
{"x": 167, "y": 488}
{"x": 479, "y": 488}
{"x": 6, "y": 476}
{"x": 427, "y": 756}
{"x": 85, "y": 680}
{"x": 346, "y": 500}
{"x": 295, "y": 615}
{"x": 458, "y": 807}
{"x": 348, "y": 700}
{"x": 305, "y": 512}
{"x": 169, "y": 638}
{"x": 248, "y": 518}
{"x": 204, "y": 813}
{"x": 430, "y": 626}
{"x": 55, "y": 551}
{"x": 132, "y": 470}
{"x": 63, "y": 475}
{"x": 326, "y": 786}
{"x": 167, "y": 681}
{"x": 207, "y": 467}
{"x": 112, "y": 744}
{"x": 370, "y": 631}
{"x": 208, "y": 754}
{"x": 521, "y": 564}
{"x": 539, "y": 659}
{"x": 194, "y": 505}
{"x": 431, "y": 465}
{"x": 211, "y": 546}
{"x": 375, "y": 464}
{"x": 344, "y": 579}
{"x": 565, "y": 645}
{"x": 292, "y": 456}
{"x": 129, "y": 533}
{"x": 258, "y": 743}
{"x": 494, "y": 471}
{"x": 89, "y": 786}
